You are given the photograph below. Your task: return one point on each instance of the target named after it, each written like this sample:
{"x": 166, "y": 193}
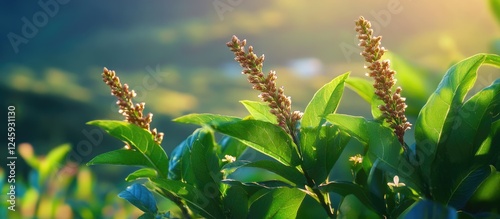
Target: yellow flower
{"x": 228, "y": 158}
{"x": 357, "y": 159}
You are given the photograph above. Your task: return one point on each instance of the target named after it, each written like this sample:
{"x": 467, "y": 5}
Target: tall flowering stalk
{"x": 133, "y": 113}
{"x": 395, "y": 106}
{"x": 275, "y": 97}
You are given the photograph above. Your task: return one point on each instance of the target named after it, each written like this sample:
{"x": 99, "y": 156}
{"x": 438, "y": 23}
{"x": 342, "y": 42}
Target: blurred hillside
{"x": 173, "y": 54}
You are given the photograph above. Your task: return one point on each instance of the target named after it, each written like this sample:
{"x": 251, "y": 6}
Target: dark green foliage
{"x": 448, "y": 171}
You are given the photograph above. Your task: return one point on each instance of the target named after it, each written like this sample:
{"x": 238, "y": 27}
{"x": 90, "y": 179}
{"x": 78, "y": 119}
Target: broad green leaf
{"x": 365, "y": 90}
{"x": 328, "y": 144}
{"x": 267, "y": 184}
{"x": 472, "y": 123}
{"x": 121, "y": 157}
{"x": 356, "y": 126}
{"x": 377, "y": 185}
{"x": 310, "y": 208}
{"x": 351, "y": 207}
{"x": 470, "y": 131}
{"x": 495, "y": 7}
{"x": 236, "y": 202}
{"x": 325, "y": 101}
{"x": 363, "y": 87}
{"x": 140, "y": 139}
{"x": 52, "y": 162}
{"x": 489, "y": 151}
{"x": 264, "y": 137}
{"x": 206, "y": 119}
{"x": 204, "y": 161}
{"x": 332, "y": 142}
{"x": 179, "y": 167}
{"x": 437, "y": 117}
{"x": 258, "y": 174}
{"x": 349, "y": 188}
{"x": 143, "y": 173}
{"x": 460, "y": 189}
{"x": 487, "y": 196}
{"x": 429, "y": 209}
{"x": 381, "y": 142}
{"x": 194, "y": 198}
{"x": 195, "y": 162}
{"x": 278, "y": 203}
{"x": 289, "y": 173}
{"x": 140, "y": 197}
{"x": 231, "y": 146}
{"x": 260, "y": 111}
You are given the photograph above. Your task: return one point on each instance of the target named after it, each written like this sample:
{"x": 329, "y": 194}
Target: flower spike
{"x": 133, "y": 113}
{"x": 275, "y": 97}
{"x": 395, "y": 106}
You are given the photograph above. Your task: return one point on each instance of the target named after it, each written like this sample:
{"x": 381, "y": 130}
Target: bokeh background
{"x": 173, "y": 54}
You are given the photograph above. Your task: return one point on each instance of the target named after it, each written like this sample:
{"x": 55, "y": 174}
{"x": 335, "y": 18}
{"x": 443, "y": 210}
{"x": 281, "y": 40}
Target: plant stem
{"x": 324, "y": 203}
{"x": 310, "y": 182}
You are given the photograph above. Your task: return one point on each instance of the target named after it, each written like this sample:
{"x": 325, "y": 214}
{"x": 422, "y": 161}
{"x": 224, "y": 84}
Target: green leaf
{"x": 437, "y": 117}
{"x": 289, "y": 173}
{"x": 236, "y": 202}
{"x": 470, "y": 132}
{"x": 351, "y": 207}
{"x": 461, "y": 190}
{"x": 324, "y": 102}
{"x": 179, "y": 167}
{"x": 278, "y": 203}
{"x": 381, "y": 142}
{"x": 260, "y": 111}
{"x": 204, "y": 162}
{"x": 140, "y": 139}
{"x": 472, "y": 123}
{"x": 231, "y": 146}
{"x": 429, "y": 209}
{"x": 348, "y": 188}
{"x": 365, "y": 90}
{"x": 193, "y": 197}
{"x": 146, "y": 173}
{"x": 195, "y": 160}
{"x": 140, "y": 197}
{"x": 363, "y": 87}
{"x": 52, "y": 162}
{"x": 329, "y": 142}
{"x": 495, "y": 7}
{"x": 205, "y": 119}
{"x": 121, "y": 157}
{"x": 264, "y": 137}
{"x": 489, "y": 151}
{"x": 487, "y": 196}
{"x": 268, "y": 184}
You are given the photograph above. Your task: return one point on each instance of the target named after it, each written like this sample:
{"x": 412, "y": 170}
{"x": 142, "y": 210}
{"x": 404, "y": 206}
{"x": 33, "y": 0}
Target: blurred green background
{"x": 173, "y": 54}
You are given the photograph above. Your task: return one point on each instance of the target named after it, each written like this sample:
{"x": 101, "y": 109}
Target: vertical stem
{"x": 310, "y": 182}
